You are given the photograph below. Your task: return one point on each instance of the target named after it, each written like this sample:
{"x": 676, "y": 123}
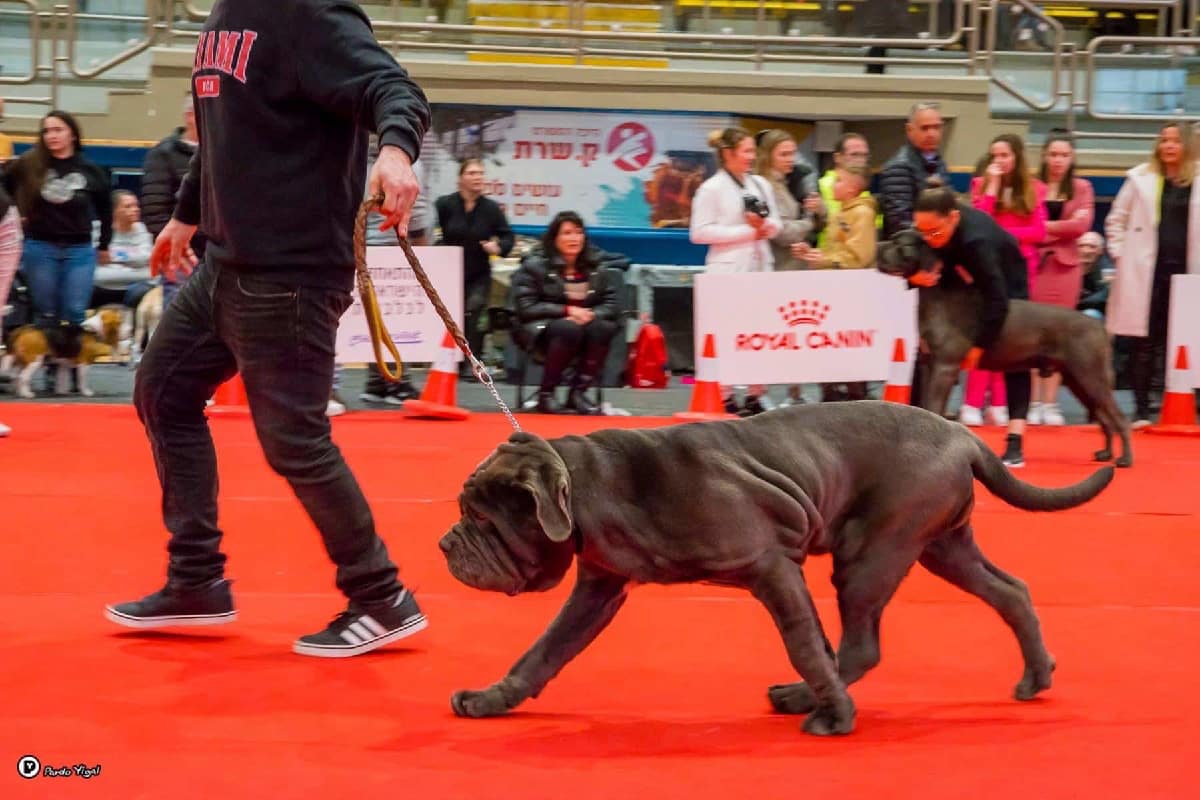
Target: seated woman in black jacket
{"x": 567, "y": 310}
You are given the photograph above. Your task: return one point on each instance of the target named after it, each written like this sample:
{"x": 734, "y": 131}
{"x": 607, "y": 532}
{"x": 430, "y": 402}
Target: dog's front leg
{"x": 592, "y": 605}
{"x": 84, "y": 388}
{"x": 781, "y": 588}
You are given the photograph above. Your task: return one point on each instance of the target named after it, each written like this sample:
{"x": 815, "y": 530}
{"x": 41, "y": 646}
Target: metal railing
{"x": 55, "y": 36}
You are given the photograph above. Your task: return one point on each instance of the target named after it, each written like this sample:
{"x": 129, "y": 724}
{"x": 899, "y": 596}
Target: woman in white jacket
{"x": 1153, "y": 233}
{"x": 734, "y": 213}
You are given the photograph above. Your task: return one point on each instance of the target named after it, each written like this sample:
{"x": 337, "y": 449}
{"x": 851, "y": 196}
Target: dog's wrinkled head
{"x": 904, "y": 254}
{"x": 516, "y": 520}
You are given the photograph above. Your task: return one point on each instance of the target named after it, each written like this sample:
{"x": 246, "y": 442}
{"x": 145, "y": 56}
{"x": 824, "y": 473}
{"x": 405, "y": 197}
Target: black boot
{"x": 545, "y": 402}
{"x": 577, "y": 398}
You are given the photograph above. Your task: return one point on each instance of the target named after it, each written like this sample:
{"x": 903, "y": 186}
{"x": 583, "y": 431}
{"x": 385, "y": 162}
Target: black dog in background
{"x": 1034, "y": 336}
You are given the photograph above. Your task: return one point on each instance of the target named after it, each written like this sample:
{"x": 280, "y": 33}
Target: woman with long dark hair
{"x": 568, "y": 309}
{"x": 1070, "y": 210}
{"x": 1008, "y": 193}
{"x": 59, "y": 192}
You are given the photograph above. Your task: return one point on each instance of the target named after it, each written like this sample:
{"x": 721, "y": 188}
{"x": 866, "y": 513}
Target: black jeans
{"x": 1149, "y": 354}
{"x": 565, "y": 341}
{"x": 281, "y": 339}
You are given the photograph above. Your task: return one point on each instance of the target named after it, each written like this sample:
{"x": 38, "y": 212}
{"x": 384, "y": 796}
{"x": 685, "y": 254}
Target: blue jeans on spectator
{"x": 281, "y": 338}
{"x": 60, "y": 279}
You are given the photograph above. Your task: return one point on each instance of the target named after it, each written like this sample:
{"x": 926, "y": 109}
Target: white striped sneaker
{"x": 358, "y": 630}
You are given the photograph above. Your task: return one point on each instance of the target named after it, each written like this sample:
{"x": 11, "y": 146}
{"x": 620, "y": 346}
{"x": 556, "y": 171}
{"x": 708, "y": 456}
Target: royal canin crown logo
{"x": 805, "y": 312}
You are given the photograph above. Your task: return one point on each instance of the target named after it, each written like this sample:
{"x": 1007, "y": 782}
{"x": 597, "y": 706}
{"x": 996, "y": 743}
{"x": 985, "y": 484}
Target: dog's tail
{"x": 992, "y": 473}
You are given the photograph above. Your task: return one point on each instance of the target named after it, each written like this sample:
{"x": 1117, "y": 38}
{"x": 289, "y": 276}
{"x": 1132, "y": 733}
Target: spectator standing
{"x": 905, "y": 173}
{"x": 851, "y": 150}
{"x": 60, "y": 191}
{"x": 776, "y": 160}
{"x": 1070, "y": 210}
{"x": 476, "y": 223}
{"x": 1153, "y": 234}
{"x": 1017, "y": 201}
{"x": 163, "y": 170}
{"x": 10, "y": 255}
{"x": 734, "y": 214}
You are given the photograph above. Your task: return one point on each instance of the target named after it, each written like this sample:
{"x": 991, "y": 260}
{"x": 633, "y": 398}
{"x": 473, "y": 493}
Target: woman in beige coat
{"x": 1153, "y": 234}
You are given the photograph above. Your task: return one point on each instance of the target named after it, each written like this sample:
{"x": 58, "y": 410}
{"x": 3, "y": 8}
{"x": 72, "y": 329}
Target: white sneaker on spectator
{"x": 4, "y": 430}
{"x": 999, "y": 415}
{"x": 1052, "y": 415}
{"x": 970, "y": 416}
{"x": 767, "y": 403}
{"x": 1140, "y": 423}
{"x": 334, "y": 409}
{"x": 1034, "y": 417}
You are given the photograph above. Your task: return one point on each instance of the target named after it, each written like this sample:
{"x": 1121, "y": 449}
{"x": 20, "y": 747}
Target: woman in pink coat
{"x": 1070, "y": 209}
{"x": 1017, "y": 201}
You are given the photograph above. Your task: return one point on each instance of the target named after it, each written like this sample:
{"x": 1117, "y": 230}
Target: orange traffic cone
{"x": 230, "y": 398}
{"x": 438, "y": 398}
{"x": 898, "y": 388}
{"x": 1178, "y": 416}
{"x": 707, "y": 402}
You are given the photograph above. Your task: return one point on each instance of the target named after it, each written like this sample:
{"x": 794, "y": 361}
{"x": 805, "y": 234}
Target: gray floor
{"x": 114, "y": 383}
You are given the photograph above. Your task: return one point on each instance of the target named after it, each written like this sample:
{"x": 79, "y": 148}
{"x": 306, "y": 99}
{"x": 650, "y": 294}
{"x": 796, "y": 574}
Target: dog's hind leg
{"x": 62, "y": 378}
{"x": 956, "y": 558}
{"x": 1097, "y": 397}
{"x": 781, "y": 588}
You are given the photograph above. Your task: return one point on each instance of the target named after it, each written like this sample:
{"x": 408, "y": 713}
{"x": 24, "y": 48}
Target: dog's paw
{"x": 25, "y": 393}
{"x": 489, "y": 702}
{"x": 792, "y": 698}
{"x": 1035, "y": 681}
{"x": 1125, "y": 461}
{"x": 1103, "y": 455}
{"x": 833, "y": 720}
{"x": 87, "y": 392}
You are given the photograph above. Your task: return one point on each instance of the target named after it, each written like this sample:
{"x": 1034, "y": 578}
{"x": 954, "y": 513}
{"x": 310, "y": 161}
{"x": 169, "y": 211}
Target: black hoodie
{"x": 285, "y": 94}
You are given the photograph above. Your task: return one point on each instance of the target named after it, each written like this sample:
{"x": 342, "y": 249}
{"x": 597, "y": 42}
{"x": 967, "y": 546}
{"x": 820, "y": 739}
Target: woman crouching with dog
{"x": 973, "y": 249}
{"x": 567, "y": 309}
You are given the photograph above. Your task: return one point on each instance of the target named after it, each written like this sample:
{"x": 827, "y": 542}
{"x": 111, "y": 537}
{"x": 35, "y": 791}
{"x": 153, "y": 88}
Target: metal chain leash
{"x": 380, "y": 338}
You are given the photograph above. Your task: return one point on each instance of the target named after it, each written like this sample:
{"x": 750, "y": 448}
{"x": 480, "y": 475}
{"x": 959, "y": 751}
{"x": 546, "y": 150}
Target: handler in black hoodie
{"x": 286, "y": 92}
{"x": 975, "y": 251}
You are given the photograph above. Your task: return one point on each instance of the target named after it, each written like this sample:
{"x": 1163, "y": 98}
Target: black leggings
{"x": 1018, "y": 386}
{"x": 565, "y": 340}
{"x": 1149, "y": 352}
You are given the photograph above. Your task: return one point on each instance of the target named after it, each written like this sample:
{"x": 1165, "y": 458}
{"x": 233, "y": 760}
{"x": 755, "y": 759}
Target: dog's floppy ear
{"x": 547, "y": 480}
{"x": 551, "y": 496}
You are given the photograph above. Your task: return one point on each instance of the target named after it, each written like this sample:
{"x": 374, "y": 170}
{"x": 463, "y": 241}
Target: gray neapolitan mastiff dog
{"x": 880, "y": 486}
{"x": 1034, "y": 336}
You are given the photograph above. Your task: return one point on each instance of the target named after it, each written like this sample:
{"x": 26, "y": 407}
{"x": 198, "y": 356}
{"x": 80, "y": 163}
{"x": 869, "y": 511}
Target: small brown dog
{"x": 69, "y": 345}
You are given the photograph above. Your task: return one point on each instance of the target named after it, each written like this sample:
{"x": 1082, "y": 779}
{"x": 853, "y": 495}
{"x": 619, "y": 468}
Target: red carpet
{"x": 669, "y": 703}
